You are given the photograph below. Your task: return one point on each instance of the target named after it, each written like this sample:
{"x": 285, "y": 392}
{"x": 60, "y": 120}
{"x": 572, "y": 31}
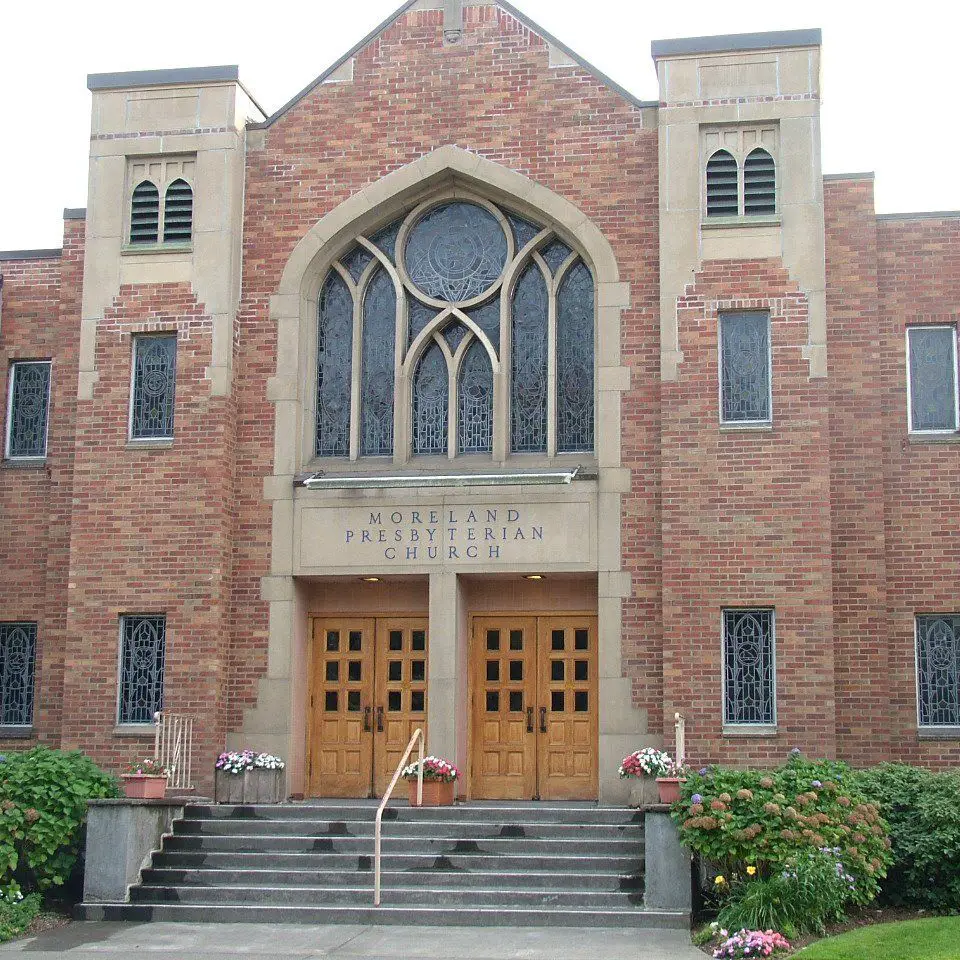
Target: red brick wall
{"x": 746, "y": 522}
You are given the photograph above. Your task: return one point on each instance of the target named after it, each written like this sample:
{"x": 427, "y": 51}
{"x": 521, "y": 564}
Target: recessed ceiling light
{"x": 533, "y": 576}
{"x": 370, "y": 579}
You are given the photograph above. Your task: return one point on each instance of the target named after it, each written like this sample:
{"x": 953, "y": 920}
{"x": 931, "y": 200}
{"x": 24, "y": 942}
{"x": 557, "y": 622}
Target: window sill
{"x": 26, "y": 463}
{"x": 133, "y": 730}
{"x": 149, "y": 444}
{"x": 16, "y": 733}
{"x": 945, "y": 437}
{"x": 746, "y": 427}
{"x": 938, "y": 733}
{"x": 139, "y": 249}
{"x": 728, "y": 223}
{"x": 750, "y": 730}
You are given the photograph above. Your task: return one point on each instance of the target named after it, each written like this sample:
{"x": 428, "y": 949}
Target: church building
{"x": 469, "y": 392}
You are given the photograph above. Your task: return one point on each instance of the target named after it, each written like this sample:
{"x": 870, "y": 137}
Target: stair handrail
{"x": 417, "y": 735}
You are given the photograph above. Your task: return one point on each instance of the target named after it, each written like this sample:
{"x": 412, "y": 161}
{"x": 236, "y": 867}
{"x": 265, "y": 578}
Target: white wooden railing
{"x": 417, "y": 735}
{"x": 680, "y": 728}
{"x": 173, "y": 747}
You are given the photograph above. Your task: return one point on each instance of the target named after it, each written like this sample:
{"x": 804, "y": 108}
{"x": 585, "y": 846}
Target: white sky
{"x": 889, "y": 80}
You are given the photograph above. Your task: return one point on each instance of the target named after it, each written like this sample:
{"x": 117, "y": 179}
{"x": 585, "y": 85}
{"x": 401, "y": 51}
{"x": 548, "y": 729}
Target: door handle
{"x": 379, "y": 719}
{"x": 366, "y": 719}
{"x": 529, "y": 719}
{"x": 543, "y": 719}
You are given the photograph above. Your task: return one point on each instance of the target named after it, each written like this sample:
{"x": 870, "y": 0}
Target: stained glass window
{"x": 575, "y": 361}
{"x": 528, "y": 383}
{"x": 451, "y": 259}
{"x": 143, "y": 643}
{"x": 938, "y": 670}
{"x": 933, "y": 379}
{"x": 745, "y": 367}
{"x": 749, "y": 678}
{"x": 475, "y": 429}
{"x": 154, "y": 387}
{"x": 18, "y": 652}
{"x": 334, "y": 367}
{"x": 430, "y": 398}
{"x": 28, "y": 409}
{"x": 376, "y": 397}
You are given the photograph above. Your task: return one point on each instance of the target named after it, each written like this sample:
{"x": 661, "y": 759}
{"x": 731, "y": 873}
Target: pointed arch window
{"x": 458, "y": 329}
{"x": 161, "y": 215}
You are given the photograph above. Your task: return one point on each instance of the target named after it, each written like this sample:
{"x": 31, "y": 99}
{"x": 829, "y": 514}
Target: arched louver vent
{"x": 178, "y": 212}
{"x": 722, "y": 198}
{"x": 145, "y": 213}
{"x": 759, "y": 183}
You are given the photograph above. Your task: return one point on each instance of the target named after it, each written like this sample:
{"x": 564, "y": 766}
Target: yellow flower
{"x": 719, "y": 881}
{"x": 751, "y": 871}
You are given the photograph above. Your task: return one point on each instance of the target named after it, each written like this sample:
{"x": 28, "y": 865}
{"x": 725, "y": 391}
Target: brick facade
{"x": 834, "y": 516}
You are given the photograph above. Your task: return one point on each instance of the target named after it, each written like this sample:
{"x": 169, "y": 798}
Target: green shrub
{"x": 770, "y": 819}
{"x": 43, "y": 806}
{"x": 923, "y": 810}
{"x": 802, "y": 898}
{"x": 16, "y": 914}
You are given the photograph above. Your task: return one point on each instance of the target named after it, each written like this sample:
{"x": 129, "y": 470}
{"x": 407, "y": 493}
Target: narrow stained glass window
{"x": 745, "y": 367}
{"x": 748, "y": 667}
{"x": 28, "y": 409}
{"x": 18, "y": 652}
{"x": 334, "y": 368}
{"x": 430, "y": 393}
{"x": 475, "y": 428}
{"x": 933, "y": 379}
{"x": 528, "y": 406}
{"x": 575, "y": 361}
{"x": 143, "y": 643}
{"x": 938, "y": 671}
{"x": 154, "y": 387}
{"x": 376, "y": 398}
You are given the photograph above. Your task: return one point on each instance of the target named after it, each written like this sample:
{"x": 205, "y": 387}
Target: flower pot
{"x": 251, "y": 786}
{"x": 669, "y": 788}
{"x": 643, "y": 791}
{"x": 436, "y": 793}
{"x": 136, "y": 786}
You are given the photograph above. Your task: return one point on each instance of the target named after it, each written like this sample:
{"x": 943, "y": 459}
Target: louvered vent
{"x": 178, "y": 212}
{"x": 145, "y": 213}
{"x": 759, "y": 184}
{"x": 722, "y": 198}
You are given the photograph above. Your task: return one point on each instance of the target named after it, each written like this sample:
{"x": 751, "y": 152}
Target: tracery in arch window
{"x": 460, "y": 329}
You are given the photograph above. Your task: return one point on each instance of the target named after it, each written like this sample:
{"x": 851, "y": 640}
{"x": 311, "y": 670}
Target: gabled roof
{"x": 504, "y": 5}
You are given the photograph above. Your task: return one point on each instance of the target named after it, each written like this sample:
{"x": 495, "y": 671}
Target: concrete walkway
{"x": 217, "y": 941}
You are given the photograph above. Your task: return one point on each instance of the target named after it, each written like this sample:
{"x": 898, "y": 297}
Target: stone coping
{"x": 135, "y": 802}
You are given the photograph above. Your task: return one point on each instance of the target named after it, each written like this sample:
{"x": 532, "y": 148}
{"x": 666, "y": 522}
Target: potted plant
{"x": 439, "y": 777}
{"x": 145, "y": 780}
{"x": 668, "y": 783}
{"x": 247, "y": 777}
{"x": 643, "y": 767}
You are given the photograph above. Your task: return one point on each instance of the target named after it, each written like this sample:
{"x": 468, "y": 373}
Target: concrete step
{"x": 384, "y": 915}
{"x": 440, "y": 878}
{"x": 399, "y": 811}
{"x": 567, "y": 862}
{"x": 221, "y": 827}
{"x": 465, "y": 844}
{"x": 359, "y": 896}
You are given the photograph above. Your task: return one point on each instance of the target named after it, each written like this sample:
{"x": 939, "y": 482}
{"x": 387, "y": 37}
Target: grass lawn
{"x": 935, "y": 939}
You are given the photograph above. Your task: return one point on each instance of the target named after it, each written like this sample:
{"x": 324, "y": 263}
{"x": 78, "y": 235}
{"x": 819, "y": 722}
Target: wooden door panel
{"x": 503, "y": 685}
{"x": 402, "y": 652}
{"x": 567, "y": 738}
{"x": 341, "y": 739}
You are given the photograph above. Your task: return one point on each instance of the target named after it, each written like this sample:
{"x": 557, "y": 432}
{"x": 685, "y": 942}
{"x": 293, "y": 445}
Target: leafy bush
{"x": 772, "y": 819}
{"x": 43, "y": 806}
{"x": 17, "y": 913}
{"x": 923, "y": 810}
{"x": 802, "y": 898}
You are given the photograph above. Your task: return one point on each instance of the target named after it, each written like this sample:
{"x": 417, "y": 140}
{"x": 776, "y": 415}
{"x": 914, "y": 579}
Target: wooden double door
{"x": 368, "y": 694}
{"x": 534, "y": 712}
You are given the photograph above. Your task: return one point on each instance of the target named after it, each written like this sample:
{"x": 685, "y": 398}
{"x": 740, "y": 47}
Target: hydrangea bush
{"x": 648, "y": 762}
{"x": 434, "y": 768}
{"x": 244, "y": 760}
